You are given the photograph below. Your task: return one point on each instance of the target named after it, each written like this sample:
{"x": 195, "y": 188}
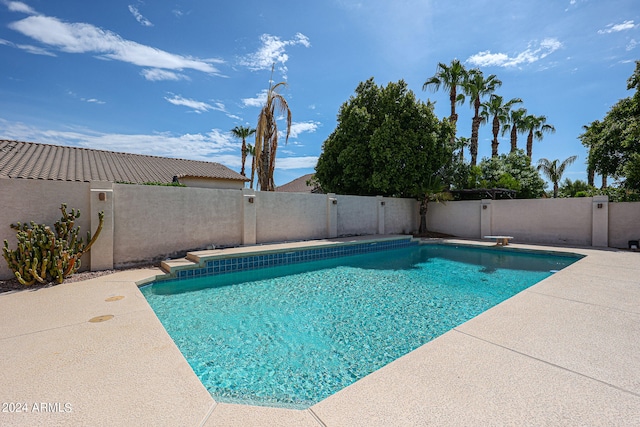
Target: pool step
{"x": 171, "y": 265}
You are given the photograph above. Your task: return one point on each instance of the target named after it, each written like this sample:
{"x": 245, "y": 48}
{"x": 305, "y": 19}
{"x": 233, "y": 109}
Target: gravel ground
{"x": 12, "y": 285}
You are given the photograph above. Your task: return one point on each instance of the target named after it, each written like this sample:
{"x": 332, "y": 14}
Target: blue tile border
{"x": 251, "y": 262}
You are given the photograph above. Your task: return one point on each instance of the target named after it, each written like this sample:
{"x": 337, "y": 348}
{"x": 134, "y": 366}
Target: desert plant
{"x": 43, "y": 255}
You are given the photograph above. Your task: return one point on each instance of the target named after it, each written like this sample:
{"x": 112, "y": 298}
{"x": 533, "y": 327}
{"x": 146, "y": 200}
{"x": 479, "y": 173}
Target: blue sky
{"x": 172, "y": 78}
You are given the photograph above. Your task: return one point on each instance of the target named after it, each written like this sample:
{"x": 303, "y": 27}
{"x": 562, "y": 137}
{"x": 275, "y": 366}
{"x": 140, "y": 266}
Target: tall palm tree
{"x": 514, "y": 126}
{"x": 267, "y": 134}
{"x": 449, "y": 77}
{"x": 498, "y": 111}
{"x": 536, "y": 126}
{"x": 477, "y": 86}
{"x": 461, "y": 144}
{"x": 243, "y": 132}
{"x": 252, "y": 152}
{"x": 553, "y": 171}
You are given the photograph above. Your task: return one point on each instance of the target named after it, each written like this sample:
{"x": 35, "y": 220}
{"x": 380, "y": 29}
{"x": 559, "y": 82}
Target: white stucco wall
{"x": 624, "y": 224}
{"x": 556, "y": 221}
{"x": 290, "y": 216}
{"x": 357, "y": 215}
{"x": 460, "y": 218}
{"x": 152, "y": 221}
{"x": 401, "y": 216}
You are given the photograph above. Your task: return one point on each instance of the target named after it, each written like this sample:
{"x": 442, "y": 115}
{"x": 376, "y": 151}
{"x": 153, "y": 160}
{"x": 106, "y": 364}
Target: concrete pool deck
{"x": 566, "y": 351}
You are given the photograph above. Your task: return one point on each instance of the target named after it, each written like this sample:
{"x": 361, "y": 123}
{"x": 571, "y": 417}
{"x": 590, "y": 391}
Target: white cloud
{"x": 216, "y": 145}
{"x": 156, "y": 74}
{"x": 141, "y": 19}
{"x": 86, "y": 38}
{"x": 304, "y": 162}
{"x": 35, "y": 50}
{"x": 534, "y": 52}
{"x": 272, "y": 51}
{"x": 196, "y": 106}
{"x": 258, "y": 101}
{"x": 614, "y": 28}
{"x": 18, "y": 6}
{"x": 93, "y": 101}
{"x": 632, "y": 44}
{"x": 27, "y": 48}
{"x": 298, "y": 128}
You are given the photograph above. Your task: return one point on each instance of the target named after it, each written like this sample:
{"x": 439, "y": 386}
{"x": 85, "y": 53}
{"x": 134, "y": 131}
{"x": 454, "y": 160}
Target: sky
{"x": 173, "y": 78}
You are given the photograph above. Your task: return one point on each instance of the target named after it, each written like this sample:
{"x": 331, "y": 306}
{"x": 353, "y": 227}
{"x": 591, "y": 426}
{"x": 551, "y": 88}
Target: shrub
{"x": 42, "y": 255}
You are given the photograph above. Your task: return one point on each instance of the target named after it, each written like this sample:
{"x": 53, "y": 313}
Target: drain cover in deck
{"x": 102, "y": 318}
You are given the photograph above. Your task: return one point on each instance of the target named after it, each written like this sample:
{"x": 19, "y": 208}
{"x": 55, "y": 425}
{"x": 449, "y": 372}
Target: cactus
{"x": 42, "y": 255}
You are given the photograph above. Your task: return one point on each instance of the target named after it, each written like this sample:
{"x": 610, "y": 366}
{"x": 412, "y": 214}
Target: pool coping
{"x": 563, "y": 351}
{"x": 196, "y": 260}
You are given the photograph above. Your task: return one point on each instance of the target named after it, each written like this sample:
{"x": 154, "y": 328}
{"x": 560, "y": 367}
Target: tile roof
{"x": 299, "y": 185}
{"x": 53, "y": 162}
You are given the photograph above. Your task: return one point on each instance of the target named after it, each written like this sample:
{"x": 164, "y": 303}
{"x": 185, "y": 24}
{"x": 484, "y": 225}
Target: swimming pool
{"x": 292, "y": 335}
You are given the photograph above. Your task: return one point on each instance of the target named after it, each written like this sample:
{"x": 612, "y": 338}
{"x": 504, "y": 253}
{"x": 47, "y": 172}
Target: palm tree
{"x": 461, "y": 144}
{"x": 553, "y": 171}
{"x": 514, "y": 126}
{"x": 243, "y": 132}
{"x": 267, "y": 134}
{"x": 449, "y": 77}
{"x": 536, "y": 126}
{"x": 476, "y": 86}
{"x": 499, "y": 112}
{"x": 252, "y": 152}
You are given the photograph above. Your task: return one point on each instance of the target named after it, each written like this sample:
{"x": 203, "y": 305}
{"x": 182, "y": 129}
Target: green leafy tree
{"x": 631, "y": 171}
{"x": 512, "y": 171}
{"x": 386, "y": 142}
{"x": 554, "y": 171}
{"x": 450, "y": 77}
{"x": 577, "y": 188}
{"x": 243, "y": 133}
{"x": 477, "y": 86}
{"x": 591, "y": 138}
{"x": 498, "y": 111}
{"x": 267, "y": 134}
{"x": 614, "y": 142}
{"x": 536, "y": 126}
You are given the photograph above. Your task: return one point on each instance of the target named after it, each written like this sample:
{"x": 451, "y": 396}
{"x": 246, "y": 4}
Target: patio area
{"x": 564, "y": 352}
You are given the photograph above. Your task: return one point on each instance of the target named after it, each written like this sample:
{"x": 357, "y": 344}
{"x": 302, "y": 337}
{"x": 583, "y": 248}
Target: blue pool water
{"x": 292, "y": 335}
